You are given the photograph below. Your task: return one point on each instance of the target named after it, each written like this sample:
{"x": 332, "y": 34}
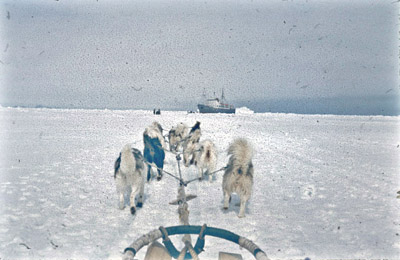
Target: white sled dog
{"x": 189, "y": 145}
{"x": 205, "y": 158}
{"x": 176, "y": 136}
{"x": 238, "y": 176}
{"x": 129, "y": 174}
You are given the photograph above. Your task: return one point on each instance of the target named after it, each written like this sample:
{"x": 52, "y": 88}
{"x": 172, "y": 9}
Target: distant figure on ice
{"x": 157, "y": 111}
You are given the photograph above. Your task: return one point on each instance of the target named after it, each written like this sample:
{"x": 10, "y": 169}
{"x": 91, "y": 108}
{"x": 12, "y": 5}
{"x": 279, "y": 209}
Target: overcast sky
{"x": 337, "y": 57}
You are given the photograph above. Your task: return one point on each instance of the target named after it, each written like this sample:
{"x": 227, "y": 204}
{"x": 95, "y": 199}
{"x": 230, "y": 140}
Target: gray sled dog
{"x": 154, "y": 146}
{"x": 129, "y": 174}
{"x": 176, "y": 136}
{"x": 238, "y": 176}
{"x": 189, "y": 145}
{"x": 205, "y": 158}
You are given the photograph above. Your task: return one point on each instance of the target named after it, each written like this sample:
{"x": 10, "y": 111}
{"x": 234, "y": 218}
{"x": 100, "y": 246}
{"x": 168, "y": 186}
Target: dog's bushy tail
{"x": 241, "y": 153}
{"x": 182, "y": 130}
{"x": 128, "y": 162}
{"x": 208, "y": 147}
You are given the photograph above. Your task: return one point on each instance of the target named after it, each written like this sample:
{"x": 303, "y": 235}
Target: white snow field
{"x": 325, "y": 186}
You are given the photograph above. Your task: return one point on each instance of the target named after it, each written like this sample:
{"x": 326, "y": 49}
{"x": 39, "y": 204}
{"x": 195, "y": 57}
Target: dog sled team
{"x": 132, "y": 168}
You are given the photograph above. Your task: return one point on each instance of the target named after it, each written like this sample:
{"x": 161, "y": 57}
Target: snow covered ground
{"x": 325, "y": 186}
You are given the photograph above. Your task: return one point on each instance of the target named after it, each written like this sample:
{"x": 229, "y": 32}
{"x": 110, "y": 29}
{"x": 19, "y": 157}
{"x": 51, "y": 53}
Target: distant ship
{"x": 216, "y": 105}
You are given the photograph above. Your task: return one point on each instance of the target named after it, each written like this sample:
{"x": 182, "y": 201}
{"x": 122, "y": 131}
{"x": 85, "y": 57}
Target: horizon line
{"x": 39, "y": 107}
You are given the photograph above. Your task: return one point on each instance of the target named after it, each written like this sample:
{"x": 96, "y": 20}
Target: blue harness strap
{"x": 168, "y": 244}
{"x": 198, "y": 248}
{"x": 202, "y": 231}
{"x": 256, "y": 251}
{"x": 130, "y": 249}
{"x": 171, "y": 249}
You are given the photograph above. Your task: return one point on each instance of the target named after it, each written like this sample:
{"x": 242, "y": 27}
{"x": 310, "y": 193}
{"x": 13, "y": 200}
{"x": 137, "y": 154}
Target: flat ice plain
{"x": 325, "y": 185}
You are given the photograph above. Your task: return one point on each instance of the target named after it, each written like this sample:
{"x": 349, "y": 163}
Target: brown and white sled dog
{"x": 189, "y": 145}
{"x": 176, "y": 136}
{"x": 238, "y": 176}
{"x": 205, "y": 158}
{"x": 129, "y": 172}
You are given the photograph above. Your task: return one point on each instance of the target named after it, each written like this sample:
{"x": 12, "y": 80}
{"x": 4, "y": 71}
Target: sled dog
{"x": 189, "y": 145}
{"x": 205, "y": 158}
{"x": 238, "y": 176}
{"x": 154, "y": 145}
{"x": 176, "y": 136}
{"x": 129, "y": 174}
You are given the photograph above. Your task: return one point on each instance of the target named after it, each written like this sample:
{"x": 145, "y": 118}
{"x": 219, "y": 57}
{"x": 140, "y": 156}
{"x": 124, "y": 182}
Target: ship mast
{"x": 223, "y": 96}
{"x": 204, "y": 94}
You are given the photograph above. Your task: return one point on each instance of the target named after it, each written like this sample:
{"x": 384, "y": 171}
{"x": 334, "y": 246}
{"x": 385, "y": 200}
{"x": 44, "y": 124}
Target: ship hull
{"x": 208, "y": 109}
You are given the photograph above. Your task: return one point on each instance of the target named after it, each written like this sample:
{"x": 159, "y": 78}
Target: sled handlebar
{"x": 162, "y": 232}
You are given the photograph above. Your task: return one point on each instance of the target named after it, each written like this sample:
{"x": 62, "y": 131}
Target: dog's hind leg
{"x": 141, "y": 194}
{"x": 148, "y": 173}
{"x": 148, "y": 159}
{"x": 120, "y": 183}
{"x": 185, "y": 160}
{"x": 227, "y": 199}
{"x": 243, "y": 200}
{"x": 201, "y": 174}
{"x": 121, "y": 204}
{"x": 160, "y": 165}
{"x": 160, "y": 174}
{"x": 210, "y": 176}
{"x": 132, "y": 199}
{"x": 159, "y": 161}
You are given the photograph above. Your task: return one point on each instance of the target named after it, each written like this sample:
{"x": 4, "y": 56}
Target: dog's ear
{"x": 250, "y": 170}
{"x": 159, "y": 127}
{"x": 195, "y": 127}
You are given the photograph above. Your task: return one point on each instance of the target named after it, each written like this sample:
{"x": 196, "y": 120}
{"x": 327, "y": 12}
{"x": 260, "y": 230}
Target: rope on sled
{"x": 191, "y": 250}
{"x": 180, "y": 179}
{"x": 253, "y": 248}
{"x": 208, "y": 174}
{"x": 173, "y": 152}
{"x": 164, "y": 171}
{"x": 182, "y": 254}
{"x": 144, "y": 240}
